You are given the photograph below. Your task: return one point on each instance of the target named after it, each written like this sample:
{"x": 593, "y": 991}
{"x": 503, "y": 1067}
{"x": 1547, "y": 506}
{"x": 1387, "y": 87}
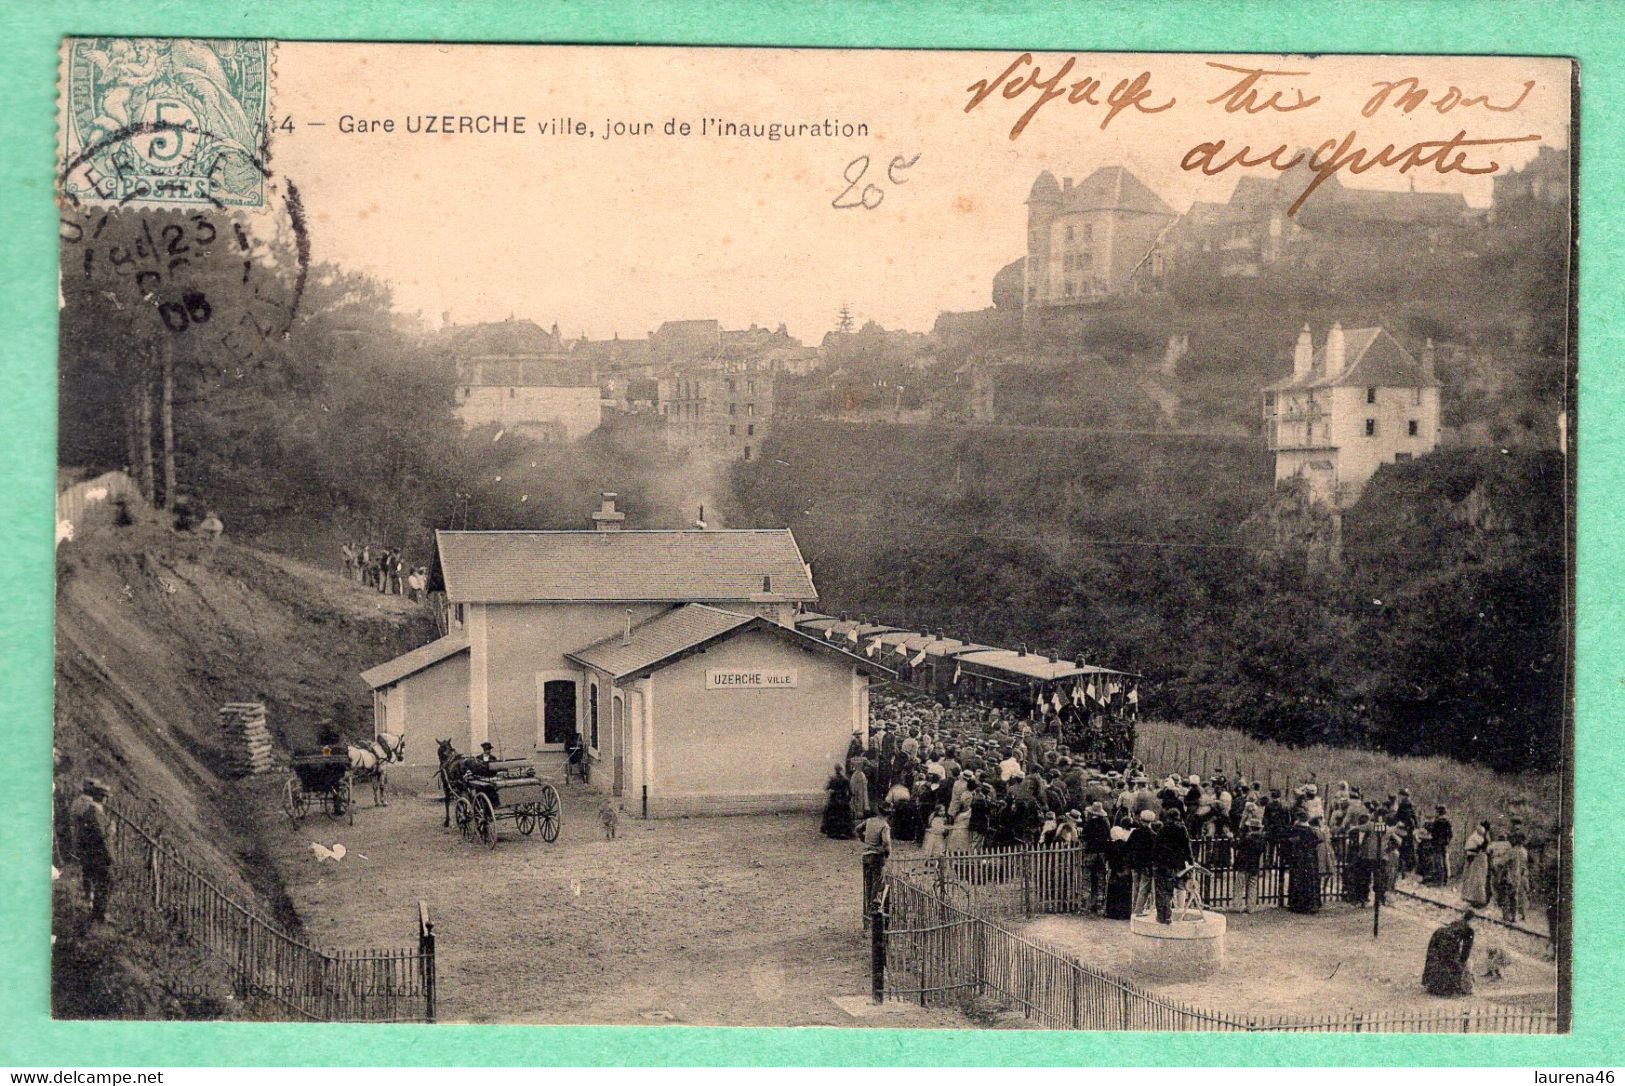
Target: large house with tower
{"x": 673, "y": 655}
{"x": 1350, "y": 405}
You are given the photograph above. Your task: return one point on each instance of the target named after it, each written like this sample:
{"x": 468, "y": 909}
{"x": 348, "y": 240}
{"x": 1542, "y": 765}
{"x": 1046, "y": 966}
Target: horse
{"x": 367, "y": 761}
{"x": 452, "y": 767}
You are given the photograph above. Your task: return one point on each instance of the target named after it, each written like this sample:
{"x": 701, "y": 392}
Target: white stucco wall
{"x": 727, "y": 751}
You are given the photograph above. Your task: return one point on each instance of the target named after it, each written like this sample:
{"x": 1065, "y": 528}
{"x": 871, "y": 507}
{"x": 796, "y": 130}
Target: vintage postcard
{"x": 782, "y": 537}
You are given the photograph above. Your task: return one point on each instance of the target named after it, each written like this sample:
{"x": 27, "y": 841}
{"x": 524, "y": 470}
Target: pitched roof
{"x": 641, "y": 566}
{"x": 393, "y": 671}
{"x": 1016, "y": 666}
{"x": 499, "y": 338}
{"x": 1371, "y": 358}
{"x": 675, "y": 634}
{"x": 657, "y": 638}
{"x": 1112, "y": 188}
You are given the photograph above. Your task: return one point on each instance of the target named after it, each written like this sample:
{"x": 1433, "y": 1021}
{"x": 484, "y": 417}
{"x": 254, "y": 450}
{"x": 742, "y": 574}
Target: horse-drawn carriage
{"x": 480, "y": 793}
{"x": 329, "y": 777}
{"x": 322, "y": 779}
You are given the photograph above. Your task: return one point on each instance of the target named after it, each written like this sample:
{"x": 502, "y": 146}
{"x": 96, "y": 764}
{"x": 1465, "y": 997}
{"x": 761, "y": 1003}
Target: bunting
{"x": 871, "y": 649}
{"x": 919, "y": 658}
{"x": 956, "y": 673}
{"x": 852, "y": 635}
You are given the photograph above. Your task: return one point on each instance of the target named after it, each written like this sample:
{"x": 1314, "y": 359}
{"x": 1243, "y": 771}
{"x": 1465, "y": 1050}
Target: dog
{"x": 611, "y": 818}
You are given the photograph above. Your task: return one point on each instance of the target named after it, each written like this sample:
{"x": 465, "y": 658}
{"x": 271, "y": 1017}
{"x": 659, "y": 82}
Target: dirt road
{"x": 709, "y": 921}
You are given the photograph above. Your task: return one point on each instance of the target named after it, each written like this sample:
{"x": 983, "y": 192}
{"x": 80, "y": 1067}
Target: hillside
{"x": 1441, "y": 632}
{"x": 154, "y": 633}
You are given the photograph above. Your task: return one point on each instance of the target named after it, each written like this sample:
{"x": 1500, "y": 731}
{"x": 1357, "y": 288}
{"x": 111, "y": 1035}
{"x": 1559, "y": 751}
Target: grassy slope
{"x": 154, "y": 633}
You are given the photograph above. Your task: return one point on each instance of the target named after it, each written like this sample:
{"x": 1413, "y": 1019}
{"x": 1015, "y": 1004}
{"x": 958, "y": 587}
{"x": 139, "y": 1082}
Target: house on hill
{"x": 520, "y": 377}
{"x": 1356, "y": 402}
{"x": 1090, "y": 241}
{"x": 673, "y": 655}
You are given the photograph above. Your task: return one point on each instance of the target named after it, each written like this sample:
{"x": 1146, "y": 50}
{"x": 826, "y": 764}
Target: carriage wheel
{"x": 295, "y": 804}
{"x": 485, "y": 820}
{"x": 550, "y": 813}
{"x": 525, "y": 819}
{"x": 464, "y": 814}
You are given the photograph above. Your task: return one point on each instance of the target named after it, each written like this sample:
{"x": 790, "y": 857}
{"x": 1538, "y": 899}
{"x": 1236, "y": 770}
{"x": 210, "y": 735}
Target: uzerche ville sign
{"x": 749, "y": 679}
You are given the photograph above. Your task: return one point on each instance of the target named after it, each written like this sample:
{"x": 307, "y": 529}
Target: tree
{"x": 843, "y": 319}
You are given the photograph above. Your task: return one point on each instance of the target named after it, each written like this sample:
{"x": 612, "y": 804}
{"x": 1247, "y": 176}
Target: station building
{"x": 672, "y": 654}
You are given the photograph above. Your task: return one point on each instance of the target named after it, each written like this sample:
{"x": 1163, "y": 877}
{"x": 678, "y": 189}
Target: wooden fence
{"x": 278, "y": 975}
{"x": 941, "y": 952}
{"x": 1022, "y": 881}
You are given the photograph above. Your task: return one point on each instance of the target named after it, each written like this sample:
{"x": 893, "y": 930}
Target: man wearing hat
{"x": 1096, "y": 836}
{"x": 93, "y": 843}
{"x": 1142, "y": 841}
{"x": 487, "y": 754}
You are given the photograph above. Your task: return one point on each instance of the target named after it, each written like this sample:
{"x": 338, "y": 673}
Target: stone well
{"x": 1189, "y": 948}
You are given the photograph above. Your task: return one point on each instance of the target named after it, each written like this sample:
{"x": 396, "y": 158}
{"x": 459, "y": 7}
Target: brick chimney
{"x": 1334, "y": 351}
{"x": 607, "y": 519}
{"x": 1303, "y": 356}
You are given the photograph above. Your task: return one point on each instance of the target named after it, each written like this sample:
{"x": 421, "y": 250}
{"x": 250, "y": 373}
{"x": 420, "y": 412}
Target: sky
{"x": 614, "y": 236}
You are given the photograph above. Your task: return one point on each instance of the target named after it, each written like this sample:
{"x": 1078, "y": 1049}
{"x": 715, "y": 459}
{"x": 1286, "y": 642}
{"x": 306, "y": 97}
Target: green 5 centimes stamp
{"x": 166, "y": 121}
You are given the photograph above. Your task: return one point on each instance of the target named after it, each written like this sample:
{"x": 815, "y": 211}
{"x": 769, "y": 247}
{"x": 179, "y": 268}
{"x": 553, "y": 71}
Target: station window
{"x": 1370, "y": 427}
{"x": 750, "y": 409}
{"x": 750, "y": 429}
{"x": 1411, "y": 427}
{"x": 732, "y": 409}
{"x": 732, "y": 429}
{"x": 1370, "y": 395}
{"x": 747, "y": 452}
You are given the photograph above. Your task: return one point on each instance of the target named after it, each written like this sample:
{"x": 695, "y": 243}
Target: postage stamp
{"x": 165, "y": 121}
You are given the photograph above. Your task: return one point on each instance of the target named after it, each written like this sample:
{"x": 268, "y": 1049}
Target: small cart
{"x": 506, "y": 791}
{"x": 319, "y": 779}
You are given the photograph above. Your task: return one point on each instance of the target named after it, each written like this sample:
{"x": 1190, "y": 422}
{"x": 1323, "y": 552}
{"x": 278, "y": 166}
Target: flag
{"x": 1091, "y": 691}
{"x": 956, "y": 673}
{"x": 871, "y": 648}
{"x": 902, "y": 650}
{"x": 1077, "y": 693}
{"x": 1134, "y": 695}
{"x": 919, "y": 658}
{"x": 827, "y": 633}
{"x": 1055, "y": 700}
{"x": 852, "y": 635}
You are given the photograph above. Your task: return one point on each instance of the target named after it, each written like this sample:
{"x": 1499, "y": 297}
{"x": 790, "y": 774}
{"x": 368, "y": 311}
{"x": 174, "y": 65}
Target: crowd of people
{"x": 384, "y": 569}
{"x": 967, "y": 777}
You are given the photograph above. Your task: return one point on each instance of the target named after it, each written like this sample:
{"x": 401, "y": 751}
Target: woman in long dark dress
{"x": 838, "y": 811}
{"x": 1120, "y": 881}
{"x": 1303, "y": 868}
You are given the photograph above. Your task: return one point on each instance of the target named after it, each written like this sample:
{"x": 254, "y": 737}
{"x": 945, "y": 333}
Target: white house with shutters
{"x": 1350, "y": 405}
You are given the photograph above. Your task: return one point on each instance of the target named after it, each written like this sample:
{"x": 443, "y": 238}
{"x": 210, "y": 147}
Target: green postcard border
{"x": 1593, "y": 32}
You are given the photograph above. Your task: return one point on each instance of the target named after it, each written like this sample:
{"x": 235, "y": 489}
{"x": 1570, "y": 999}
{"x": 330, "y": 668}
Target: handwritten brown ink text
{"x": 1023, "y": 76}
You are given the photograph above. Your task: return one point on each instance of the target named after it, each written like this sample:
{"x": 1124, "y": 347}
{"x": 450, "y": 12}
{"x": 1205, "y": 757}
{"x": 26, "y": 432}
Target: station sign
{"x": 749, "y": 679}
